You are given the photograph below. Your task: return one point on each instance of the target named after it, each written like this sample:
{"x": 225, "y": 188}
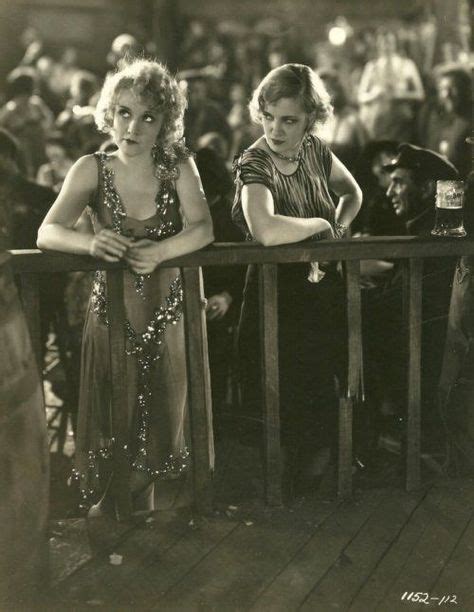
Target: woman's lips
{"x": 277, "y": 142}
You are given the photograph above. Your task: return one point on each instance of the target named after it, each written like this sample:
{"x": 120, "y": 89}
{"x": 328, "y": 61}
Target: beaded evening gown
{"x": 155, "y": 350}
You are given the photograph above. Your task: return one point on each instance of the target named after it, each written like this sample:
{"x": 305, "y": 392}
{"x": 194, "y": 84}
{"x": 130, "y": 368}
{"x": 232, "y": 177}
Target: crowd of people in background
{"x": 385, "y": 90}
{"x": 383, "y": 86}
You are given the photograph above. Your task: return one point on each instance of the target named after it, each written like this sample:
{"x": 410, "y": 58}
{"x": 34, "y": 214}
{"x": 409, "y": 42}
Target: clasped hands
{"x": 141, "y": 255}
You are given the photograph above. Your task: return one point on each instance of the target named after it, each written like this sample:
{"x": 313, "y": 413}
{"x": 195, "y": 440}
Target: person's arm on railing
{"x": 271, "y": 229}
{"x": 144, "y": 255}
{"x": 58, "y": 233}
{"x": 345, "y": 187}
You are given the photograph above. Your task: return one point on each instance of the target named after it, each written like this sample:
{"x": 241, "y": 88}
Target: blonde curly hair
{"x": 293, "y": 81}
{"x": 152, "y": 82}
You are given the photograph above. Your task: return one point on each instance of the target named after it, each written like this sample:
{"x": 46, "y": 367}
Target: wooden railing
{"x": 29, "y": 264}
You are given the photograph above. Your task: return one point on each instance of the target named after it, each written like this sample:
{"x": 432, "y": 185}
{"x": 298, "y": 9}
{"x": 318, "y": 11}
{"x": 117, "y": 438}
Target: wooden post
{"x": 118, "y": 367}
{"x": 31, "y": 306}
{"x": 270, "y": 389}
{"x": 412, "y": 306}
{"x": 354, "y": 326}
{"x": 198, "y": 389}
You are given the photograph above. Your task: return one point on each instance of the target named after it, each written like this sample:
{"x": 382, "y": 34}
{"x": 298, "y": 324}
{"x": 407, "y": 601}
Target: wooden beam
{"x": 270, "y": 387}
{"x": 242, "y": 253}
{"x": 412, "y": 307}
{"x": 198, "y": 389}
{"x": 118, "y": 367}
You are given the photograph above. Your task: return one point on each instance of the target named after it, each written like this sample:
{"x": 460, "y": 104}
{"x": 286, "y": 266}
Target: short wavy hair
{"x": 152, "y": 82}
{"x": 293, "y": 81}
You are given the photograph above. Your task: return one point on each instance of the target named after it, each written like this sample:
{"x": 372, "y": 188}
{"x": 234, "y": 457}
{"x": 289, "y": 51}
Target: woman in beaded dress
{"x": 285, "y": 184}
{"x": 146, "y": 204}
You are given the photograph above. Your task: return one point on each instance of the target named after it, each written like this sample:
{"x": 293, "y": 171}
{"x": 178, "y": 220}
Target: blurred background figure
{"x": 27, "y": 117}
{"x": 33, "y": 44}
{"x": 53, "y": 172}
{"x": 446, "y": 119}
{"x": 25, "y": 201}
{"x": 244, "y": 131}
{"x": 123, "y": 45}
{"x": 76, "y": 121}
{"x": 390, "y": 89}
{"x": 63, "y": 72}
{"x": 203, "y": 114}
{"x": 344, "y": 132}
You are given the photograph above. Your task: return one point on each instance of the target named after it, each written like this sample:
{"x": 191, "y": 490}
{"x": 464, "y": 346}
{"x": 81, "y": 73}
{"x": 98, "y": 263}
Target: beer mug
{"x": 449, "y": 209}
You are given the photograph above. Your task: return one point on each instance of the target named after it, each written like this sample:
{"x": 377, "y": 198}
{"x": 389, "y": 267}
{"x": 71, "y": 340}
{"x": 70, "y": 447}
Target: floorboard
{"x": 292, "y": 585}
{"x": 242, "y": 564}
{"x": 423, "y": 566}
{"x": 310, "y": 554}
{"x": 362, "y": 554}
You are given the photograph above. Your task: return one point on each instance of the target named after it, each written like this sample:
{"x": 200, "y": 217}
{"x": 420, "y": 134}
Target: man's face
{"x": 403, "y": 191}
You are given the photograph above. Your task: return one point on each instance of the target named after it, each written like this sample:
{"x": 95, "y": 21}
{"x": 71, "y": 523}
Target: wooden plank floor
{"x": 311, "y": 554}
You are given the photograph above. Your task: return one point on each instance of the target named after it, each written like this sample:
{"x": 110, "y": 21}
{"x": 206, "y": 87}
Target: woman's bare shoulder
{"x": 258, "y": 144}
{"x": 85, "y": 170}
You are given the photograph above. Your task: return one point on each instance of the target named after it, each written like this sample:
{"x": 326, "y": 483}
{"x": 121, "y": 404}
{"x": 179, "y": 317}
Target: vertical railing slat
{"x": 354, "y": 327}
{"x": 270, "y": 387}
{"x": 413, "y": 313}
{"x": 118, "y": 366}
{"x": 198, "y": 388}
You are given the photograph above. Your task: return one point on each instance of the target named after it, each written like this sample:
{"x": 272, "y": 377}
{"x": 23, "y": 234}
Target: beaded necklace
{"x": 294, "y": 159}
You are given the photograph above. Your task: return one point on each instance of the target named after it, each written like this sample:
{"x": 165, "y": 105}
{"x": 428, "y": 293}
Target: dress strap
{"x": 101, "y": 159}
{"x": 96, "y": 198}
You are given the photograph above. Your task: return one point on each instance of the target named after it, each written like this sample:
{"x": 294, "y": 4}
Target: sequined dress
{"x": 155, "y": 351}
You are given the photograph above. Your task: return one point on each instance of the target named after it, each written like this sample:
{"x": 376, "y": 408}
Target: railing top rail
{"x": 243, "y": 253}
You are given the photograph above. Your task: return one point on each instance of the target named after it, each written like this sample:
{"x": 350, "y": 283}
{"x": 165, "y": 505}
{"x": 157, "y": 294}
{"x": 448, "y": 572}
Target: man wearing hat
{"x": 412, "y": 189}
{"x": 413, "y": 175}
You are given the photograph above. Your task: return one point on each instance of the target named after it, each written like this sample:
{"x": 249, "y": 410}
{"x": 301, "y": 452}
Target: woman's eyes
{"x": 126, "y": 114}
{"x": 287, "y": 121}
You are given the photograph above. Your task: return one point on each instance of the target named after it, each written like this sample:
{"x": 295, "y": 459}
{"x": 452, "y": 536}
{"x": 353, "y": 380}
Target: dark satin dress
{"x": 311, "y": 316}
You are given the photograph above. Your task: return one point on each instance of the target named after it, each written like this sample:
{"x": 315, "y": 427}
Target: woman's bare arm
{"x": 58, "y": 233}
{"x": 271, "y": 229}
{"x": 343, "y": 184}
